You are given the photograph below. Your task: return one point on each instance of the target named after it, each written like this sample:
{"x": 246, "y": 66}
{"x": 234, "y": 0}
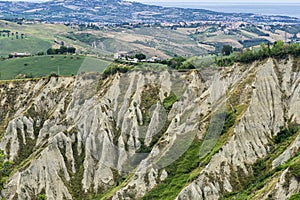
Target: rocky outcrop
{"x": 270, "y": 105}
{"x": 79, "y": 137}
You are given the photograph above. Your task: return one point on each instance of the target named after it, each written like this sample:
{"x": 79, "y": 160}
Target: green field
{"x": 40, "y": 66}
{"x": 31, "y": 45}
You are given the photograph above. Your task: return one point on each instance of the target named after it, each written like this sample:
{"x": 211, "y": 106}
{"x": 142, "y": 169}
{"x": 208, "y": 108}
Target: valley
{"x": 119, "y": 100}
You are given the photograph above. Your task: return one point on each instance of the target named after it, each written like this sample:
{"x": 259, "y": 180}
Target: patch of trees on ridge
{"x": 61, "y": 50}
{"x": 11, "y": 34}
{"x": 279, "y": 50}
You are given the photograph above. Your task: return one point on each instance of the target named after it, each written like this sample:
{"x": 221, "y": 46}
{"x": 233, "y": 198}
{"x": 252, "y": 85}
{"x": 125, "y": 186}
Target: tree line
{"x": 8, "y": 33}
{"x": 278, "y": 50}
{"x": 61, "y": 50}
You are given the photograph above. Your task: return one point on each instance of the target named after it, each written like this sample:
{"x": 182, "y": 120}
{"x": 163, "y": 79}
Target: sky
{"x": 233, "y": 1}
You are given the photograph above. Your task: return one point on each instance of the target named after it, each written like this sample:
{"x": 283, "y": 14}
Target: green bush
{"x": 175, "y": 63}
{"x": 286, "y": 133}
{"x": 114, "y": 68}
{"x": 140, "y": 56}
{"x": 6, "y": 168}
{"x": 295, "y": 197}
{"x": 178, "y": 174}
{"x": 229, "y": 121}
{"x": 224, "y": 62}
{"x": 227, "y": 50}
{"x": 169, "y": 101}
{"x": 280, "y": 50}
{"x": 42, "y": 197}
{"x": 295, "y": 170}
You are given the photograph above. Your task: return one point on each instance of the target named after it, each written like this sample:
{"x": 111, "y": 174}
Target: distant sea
{"x": 288, "y": 9}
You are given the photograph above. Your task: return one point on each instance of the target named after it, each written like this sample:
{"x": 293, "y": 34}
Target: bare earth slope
{"x": 118, "y": 137}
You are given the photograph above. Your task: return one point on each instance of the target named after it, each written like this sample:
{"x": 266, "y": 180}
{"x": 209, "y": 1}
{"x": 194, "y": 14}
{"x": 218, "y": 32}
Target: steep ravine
{"x": 209, "y": 134}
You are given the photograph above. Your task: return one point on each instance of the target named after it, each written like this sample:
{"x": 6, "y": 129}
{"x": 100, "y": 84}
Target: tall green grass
{"x": 40, "y": 66}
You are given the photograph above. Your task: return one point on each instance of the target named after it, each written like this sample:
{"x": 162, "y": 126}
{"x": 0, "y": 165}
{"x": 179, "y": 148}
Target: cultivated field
{"x": 40, "y": 66}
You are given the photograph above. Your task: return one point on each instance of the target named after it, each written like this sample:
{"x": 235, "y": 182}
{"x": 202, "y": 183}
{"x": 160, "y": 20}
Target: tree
{"x": 227, "y": 50}
{"x": 71, "y": 50}
{"x": 246, "y": 57}
{"x": 278, "y": 49}
{"x": 263, "y": 52}
{"x": 176, "y": 62}
{"x": 62, "y": 50}
{"x": 186, "y": 65}
{"x": 40, "y": 53}
{"x": 51, "y": 51}
{"x": 140, "y": 56}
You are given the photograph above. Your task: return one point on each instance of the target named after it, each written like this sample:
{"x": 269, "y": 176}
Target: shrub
{"x": 140, "y": 56}
{"x": 114, "y": 68}
{"x": 286, "y": 133}
{"x": 295, "y": 197}
{"x": 169, "y": 101}
{"x": 279, "y": 50}
{"x": 175, "y": 63}
{"x": 229, "y": 121}
{"x": 227, "y": 50}
{"x": 295, "y": 170}
{"x": 186, "y": 65}
{"x": 42, "y": 197}
{"x": 5, "y": 169}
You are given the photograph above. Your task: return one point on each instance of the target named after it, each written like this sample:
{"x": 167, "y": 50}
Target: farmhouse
{"x": 16, "y": 55}
{"x": 154, "y": 59}
{"x": 124, "y": 54}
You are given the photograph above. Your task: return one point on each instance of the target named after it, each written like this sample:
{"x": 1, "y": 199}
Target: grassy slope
{"x": 32, "y": 45}
{"x": 43, "y": 31}
{"x": 39, "y": 66}
{"x": 40, "y": 36}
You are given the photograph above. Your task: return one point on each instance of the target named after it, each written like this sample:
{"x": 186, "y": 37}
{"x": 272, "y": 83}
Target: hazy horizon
{"x": 220, "y": 1}
{"x": 197, "y": 1}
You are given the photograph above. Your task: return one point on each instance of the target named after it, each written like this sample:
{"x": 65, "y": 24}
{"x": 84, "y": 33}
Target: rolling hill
{"x": 116, "y": 11}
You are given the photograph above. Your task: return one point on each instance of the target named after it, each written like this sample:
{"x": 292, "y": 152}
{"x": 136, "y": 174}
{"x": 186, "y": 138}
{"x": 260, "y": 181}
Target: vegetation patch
{"x": 242, "y": 93}
{"x": 114, "y": 68}
{"x": 147, "y": 149}
{"x": 6, "y": 168}
{"x": 279, "y": 50}
{"x": 286, "y": 133}
{"x": 24, "y": 150}
{"x": 75, "y": 184}
{"x": 294, "y": 170}
{"x": 262, "y": 170}
{"x": 149, "y": 97}
{"x": 178, "y": 174}
{"x": 179, "y": 63}
{"x": 295, "y": 197}
{"x": 31, "y": 45}
{"x": 169, "y": 101}
{"x": 87, "y": 38}
{"x": 42, "y": 66}
{"x": 296, "y": 65}
{"x": 188, "y": 167}
{"x": 229, "y": 121}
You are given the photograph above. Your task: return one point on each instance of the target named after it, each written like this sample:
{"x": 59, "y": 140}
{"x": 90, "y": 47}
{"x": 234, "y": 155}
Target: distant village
{"x": 135, "y": 57}
{"x": 227, "y": 25}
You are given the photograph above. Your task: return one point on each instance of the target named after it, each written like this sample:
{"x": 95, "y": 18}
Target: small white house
{"x": 16, "y": 54}
{"x": 120, "y": 54}
{"x": 154, "y": 59}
